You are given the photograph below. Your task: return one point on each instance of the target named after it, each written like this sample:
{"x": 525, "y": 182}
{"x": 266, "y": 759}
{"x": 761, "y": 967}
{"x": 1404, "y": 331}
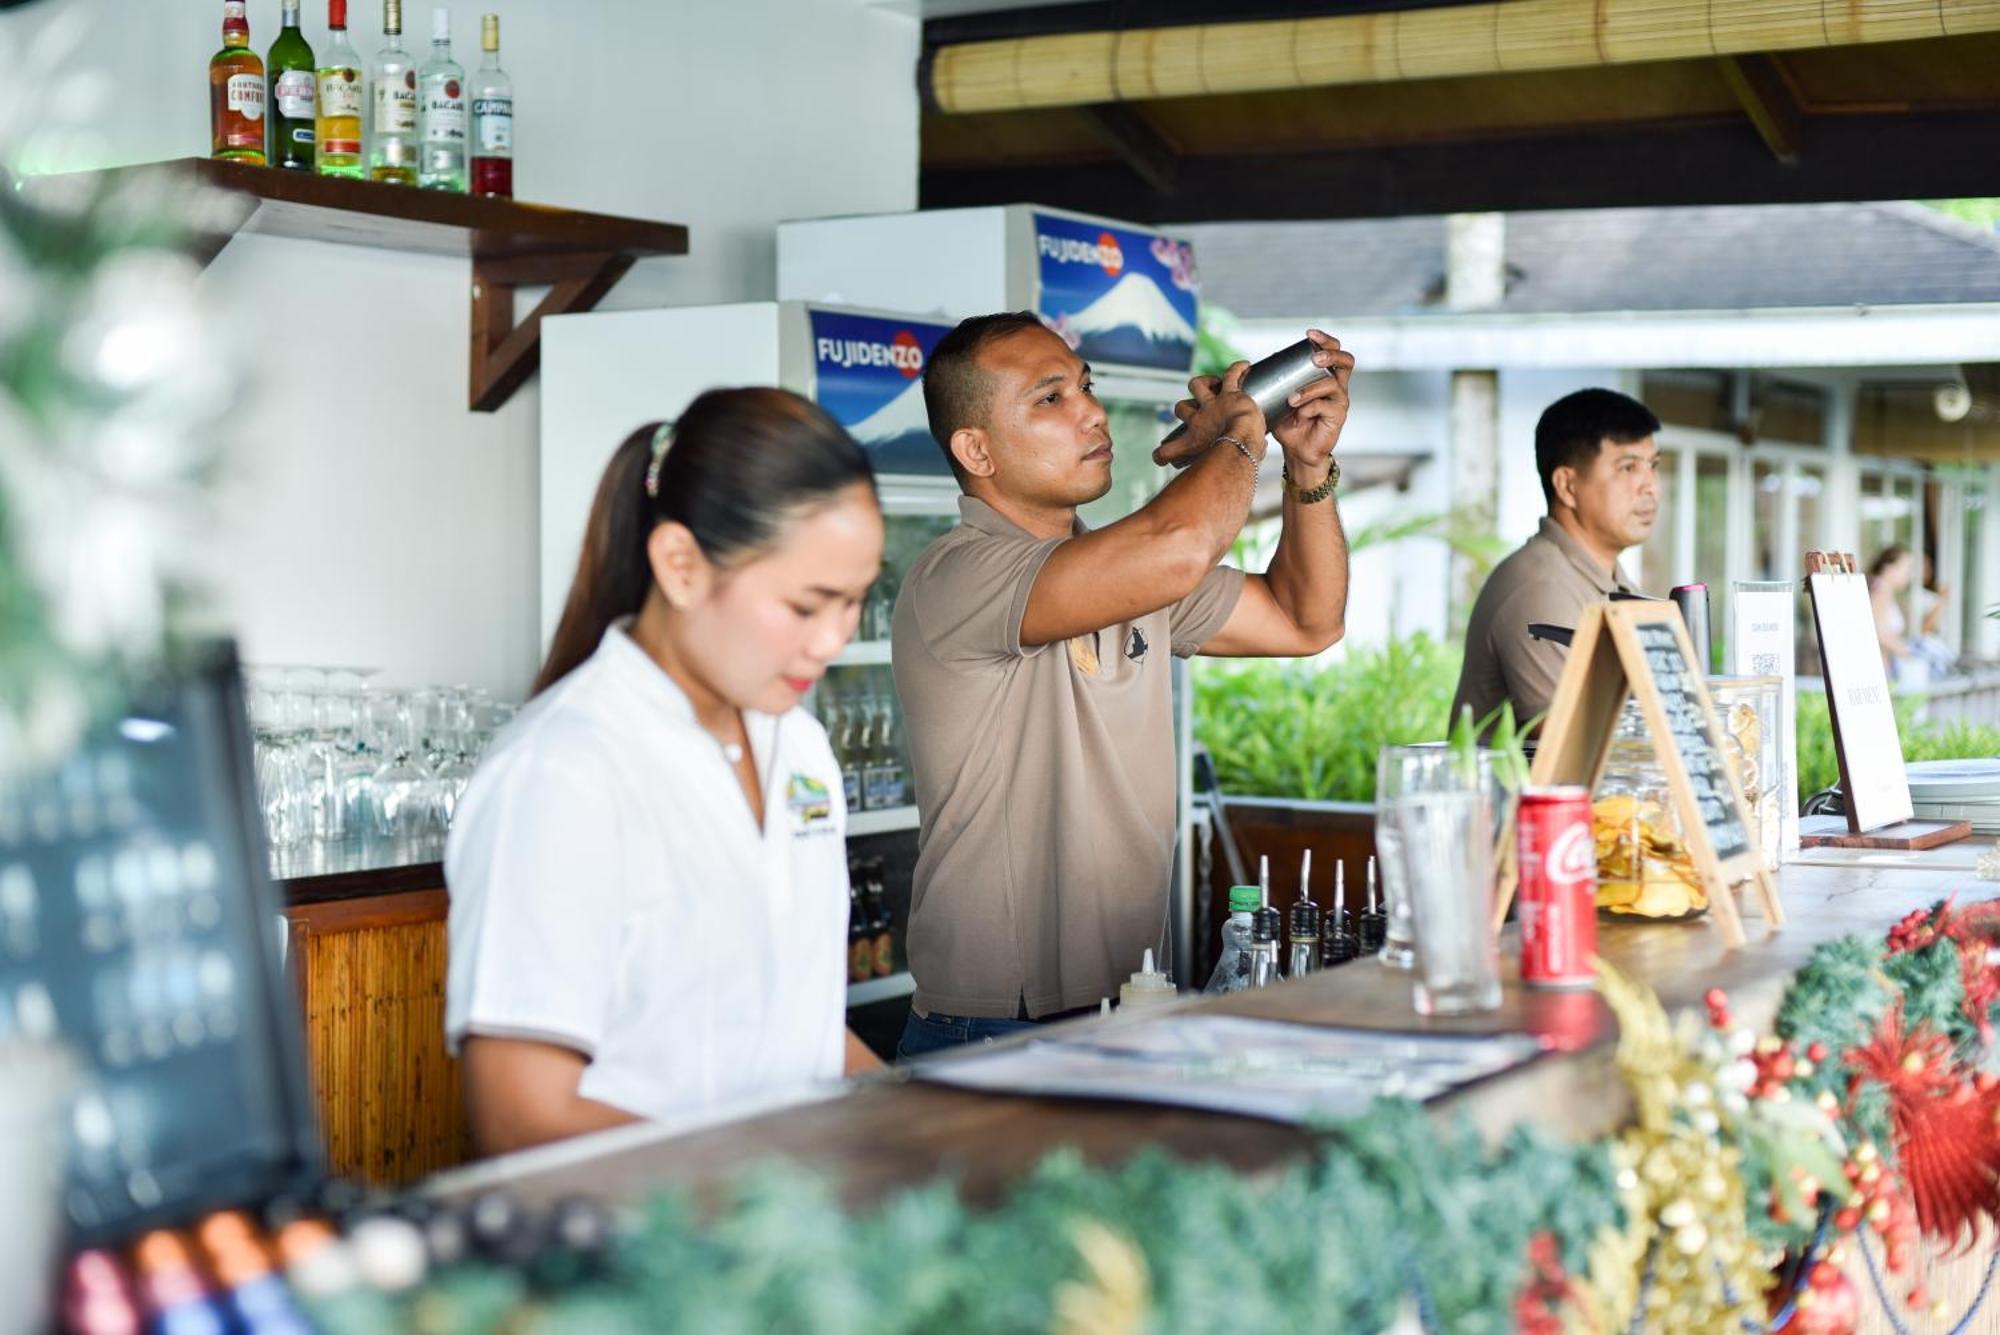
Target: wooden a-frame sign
{"x": 1624, "y": 649}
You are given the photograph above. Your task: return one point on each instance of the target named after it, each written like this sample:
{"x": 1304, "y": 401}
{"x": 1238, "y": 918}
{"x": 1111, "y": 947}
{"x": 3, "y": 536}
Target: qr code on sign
{"x": 1764, "y": 665}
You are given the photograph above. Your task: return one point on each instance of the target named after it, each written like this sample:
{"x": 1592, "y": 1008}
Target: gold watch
{"x": 1319, "y": 493}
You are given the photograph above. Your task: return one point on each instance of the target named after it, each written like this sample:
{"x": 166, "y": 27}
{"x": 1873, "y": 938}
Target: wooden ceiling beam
{"x": 1840, "y": 158}
{"x": 1769, "y": 100}
{"x": 1132, "y": 137}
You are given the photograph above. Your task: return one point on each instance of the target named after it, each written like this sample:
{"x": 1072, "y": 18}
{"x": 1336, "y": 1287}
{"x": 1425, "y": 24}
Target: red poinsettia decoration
{"x": 1947, "y": 1137}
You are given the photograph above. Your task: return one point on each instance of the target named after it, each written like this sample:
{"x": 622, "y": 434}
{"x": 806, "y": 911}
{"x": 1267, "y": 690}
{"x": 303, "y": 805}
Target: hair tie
{"x": 663, "y": 436}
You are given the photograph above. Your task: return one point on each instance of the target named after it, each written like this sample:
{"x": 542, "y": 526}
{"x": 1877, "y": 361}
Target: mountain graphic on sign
{"x": 1136, "y": 303}
{"x": 897, "y": 435}
{"x": 898, "y": 417}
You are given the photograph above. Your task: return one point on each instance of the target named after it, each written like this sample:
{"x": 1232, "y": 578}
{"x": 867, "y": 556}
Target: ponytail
{"x": 738, "y": 467}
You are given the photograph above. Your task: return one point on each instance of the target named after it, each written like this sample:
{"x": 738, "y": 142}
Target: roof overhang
{"x": 1861, "y": 336}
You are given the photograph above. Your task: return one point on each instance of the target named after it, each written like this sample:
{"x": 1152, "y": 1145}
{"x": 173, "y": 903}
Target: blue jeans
{"x": 925, "y": 1034}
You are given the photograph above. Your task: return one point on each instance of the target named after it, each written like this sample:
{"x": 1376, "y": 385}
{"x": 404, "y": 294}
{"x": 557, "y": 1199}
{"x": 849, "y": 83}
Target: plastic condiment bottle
{"x": 1148, "y": 987}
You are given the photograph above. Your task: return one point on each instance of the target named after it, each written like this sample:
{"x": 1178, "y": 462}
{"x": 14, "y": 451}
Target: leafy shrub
{"x": 1819, "y": 768}
{"x": 1287, "y": 729}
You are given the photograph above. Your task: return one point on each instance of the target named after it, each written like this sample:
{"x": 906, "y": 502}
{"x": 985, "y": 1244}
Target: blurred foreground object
{"x": 111, "y": 387}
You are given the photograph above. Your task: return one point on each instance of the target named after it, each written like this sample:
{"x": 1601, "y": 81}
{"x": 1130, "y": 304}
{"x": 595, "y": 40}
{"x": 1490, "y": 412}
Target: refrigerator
{"x": 1124, "y": 296}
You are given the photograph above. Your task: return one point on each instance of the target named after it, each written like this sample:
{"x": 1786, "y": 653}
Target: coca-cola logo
{"x": 1572, "y": 858}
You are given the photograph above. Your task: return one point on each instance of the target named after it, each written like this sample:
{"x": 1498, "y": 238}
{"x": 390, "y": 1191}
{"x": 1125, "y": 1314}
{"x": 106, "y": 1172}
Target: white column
{"x": 1475, "y": 279}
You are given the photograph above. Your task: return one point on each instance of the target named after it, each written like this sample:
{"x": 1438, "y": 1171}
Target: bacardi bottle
{"x": 441, "y": 113}
{"x": 492, "y": 117}
{"x": 337, "y": 151}
{"x": 392, "y": 129}
{"x": 236, "y": 92}
{"x": 293, "y": 88}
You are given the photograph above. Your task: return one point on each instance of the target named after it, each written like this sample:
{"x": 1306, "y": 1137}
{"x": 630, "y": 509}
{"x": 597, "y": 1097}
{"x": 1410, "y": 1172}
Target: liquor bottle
{"x": 492, "y": 118}
{"x": 860, "y": 947}
{"x": 441, "y": 113}
{"x": 337, "y": 146}
{"x": 1264, "y": 947}
{"x": 880, "y": 925}
{"x": 236, "y": 92}
{"x": 293, "y": 87}
{"x": 878, "y": 760}
{"x": 392, "y": 131}
{"x": 840, "y": 734}
{"x": 1305, "y": 939}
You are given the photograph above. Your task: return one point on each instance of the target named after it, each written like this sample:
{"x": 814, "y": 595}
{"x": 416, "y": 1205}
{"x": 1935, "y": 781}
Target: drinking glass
{"x": 1447, "y": 860}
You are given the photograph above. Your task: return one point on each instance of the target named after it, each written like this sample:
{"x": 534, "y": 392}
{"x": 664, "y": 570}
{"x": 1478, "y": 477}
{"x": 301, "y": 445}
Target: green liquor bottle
{"x": 294, "y": 95}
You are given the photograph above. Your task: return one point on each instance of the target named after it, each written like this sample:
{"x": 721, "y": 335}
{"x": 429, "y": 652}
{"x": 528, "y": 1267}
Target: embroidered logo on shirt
{"x": 1136, "y": 647}
{"x": 808, "y": 799}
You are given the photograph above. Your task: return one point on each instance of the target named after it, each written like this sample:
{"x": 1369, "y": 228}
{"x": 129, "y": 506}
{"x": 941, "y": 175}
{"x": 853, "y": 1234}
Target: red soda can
{"x": 1558, "y": 892}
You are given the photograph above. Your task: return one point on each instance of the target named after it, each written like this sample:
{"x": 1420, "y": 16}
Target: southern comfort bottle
{"x": 236, "y": 92}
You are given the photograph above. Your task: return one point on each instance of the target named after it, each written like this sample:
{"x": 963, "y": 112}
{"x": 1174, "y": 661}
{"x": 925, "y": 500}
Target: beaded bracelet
{"x": 1256, "y": 464}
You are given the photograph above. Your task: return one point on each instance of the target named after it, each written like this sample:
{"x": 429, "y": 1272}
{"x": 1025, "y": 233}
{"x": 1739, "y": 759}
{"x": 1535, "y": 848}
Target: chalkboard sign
{"x": 1628, "y": 649}
{"x": 1692, "y": 726}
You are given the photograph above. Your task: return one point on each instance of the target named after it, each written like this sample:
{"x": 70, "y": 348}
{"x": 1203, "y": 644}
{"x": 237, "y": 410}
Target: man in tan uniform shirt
{"x": 1031, "y": 658}
{"x": 1600, "y": 476}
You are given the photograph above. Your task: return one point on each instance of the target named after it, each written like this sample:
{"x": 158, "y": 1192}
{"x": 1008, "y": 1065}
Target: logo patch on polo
{"x": 1135, "y": 645}
{"x": 808, "y": 799}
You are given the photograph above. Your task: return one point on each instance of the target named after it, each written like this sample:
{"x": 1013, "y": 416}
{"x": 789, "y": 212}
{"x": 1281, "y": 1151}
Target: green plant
{"x": 1819, "y": 768}
{"x": 1290, "y": 730}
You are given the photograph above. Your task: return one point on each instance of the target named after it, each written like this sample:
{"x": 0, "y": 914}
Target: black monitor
{"x": 139, "y": 926}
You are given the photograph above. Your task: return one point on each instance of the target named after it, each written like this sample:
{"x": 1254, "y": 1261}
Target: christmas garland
{"x": 1750, "y": 1169}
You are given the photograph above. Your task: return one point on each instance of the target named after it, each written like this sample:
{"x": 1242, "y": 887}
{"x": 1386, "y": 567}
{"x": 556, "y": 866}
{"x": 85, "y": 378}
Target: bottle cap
{"x": 392, "y": 18}
{"x": 1245, "y": 898}
{"x": 1305, "y": 920}
{"x": 1264, "y": 926}
{"x": 336, "y": 13}
{"x": 440, "y": 24}
{"x": 1147, "y": 986}
{"x": 489, "y": 32}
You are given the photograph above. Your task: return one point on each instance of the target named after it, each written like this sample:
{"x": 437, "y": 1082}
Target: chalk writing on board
{"x": 1694, "y": 738}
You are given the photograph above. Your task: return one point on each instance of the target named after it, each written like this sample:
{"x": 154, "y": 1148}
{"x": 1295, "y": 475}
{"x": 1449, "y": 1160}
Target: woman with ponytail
{"x": 648, "y": 873}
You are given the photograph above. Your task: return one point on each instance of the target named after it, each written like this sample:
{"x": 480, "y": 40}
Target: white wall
{"x": 371, "y": 519}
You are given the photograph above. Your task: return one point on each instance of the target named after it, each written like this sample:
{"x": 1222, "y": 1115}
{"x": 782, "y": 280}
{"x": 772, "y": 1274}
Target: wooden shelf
{"x": 580, "y": 256}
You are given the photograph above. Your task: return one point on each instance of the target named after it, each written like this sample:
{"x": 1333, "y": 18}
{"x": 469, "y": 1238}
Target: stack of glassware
{"x": 352, "y": 776}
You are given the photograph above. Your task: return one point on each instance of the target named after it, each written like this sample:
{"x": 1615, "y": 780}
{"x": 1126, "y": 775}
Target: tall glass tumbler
{"x": 1448, "y": 869}
{"x": 1399, "y": 771}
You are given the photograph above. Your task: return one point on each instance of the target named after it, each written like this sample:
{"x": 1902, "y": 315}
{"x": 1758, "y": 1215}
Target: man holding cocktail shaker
{"x": 1031, "y": 656}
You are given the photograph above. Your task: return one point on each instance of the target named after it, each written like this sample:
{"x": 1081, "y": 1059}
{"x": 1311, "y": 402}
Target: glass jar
{"x": 1746, "y": 708}
{"x": 1644, "y": 869}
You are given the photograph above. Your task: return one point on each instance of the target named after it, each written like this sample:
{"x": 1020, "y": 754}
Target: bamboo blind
{"x": 1143, "y": 64}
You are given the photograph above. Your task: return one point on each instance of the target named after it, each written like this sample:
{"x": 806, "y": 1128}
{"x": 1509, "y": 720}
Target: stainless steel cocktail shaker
{"x": 1273, "y": 381}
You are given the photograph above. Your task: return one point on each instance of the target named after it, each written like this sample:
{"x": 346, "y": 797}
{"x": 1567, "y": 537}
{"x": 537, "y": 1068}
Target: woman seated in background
{"x": 1912, "y": 660}
{"x": 648, "y": 872}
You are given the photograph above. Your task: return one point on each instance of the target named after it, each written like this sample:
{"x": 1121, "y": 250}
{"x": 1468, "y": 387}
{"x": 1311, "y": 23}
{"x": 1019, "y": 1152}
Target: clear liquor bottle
{"x": 392, "y": 129}
{"x": 337, "y": 126}
{"x": 492, "y": 117}
{"x": 878, "y": 763}
{"x": 236, "y": 92}
{"x": 441, "y": 111}
{"x": 293, "y": 99}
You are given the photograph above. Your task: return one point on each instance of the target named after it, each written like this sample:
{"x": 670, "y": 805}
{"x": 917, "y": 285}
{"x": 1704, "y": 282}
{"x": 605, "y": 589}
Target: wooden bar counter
{"x": 891, "y": 1132}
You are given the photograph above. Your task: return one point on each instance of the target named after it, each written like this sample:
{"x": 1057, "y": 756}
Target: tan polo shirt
{"x": 1550, "y": 579}
{"x": 1045, "y": 777}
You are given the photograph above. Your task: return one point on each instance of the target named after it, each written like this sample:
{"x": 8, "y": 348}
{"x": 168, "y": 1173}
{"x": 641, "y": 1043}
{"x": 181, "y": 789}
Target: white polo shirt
{"x": 610, "y": 893}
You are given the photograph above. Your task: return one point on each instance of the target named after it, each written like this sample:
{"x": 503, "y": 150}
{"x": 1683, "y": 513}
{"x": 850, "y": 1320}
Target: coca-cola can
{"x": 1558, "y": 889}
